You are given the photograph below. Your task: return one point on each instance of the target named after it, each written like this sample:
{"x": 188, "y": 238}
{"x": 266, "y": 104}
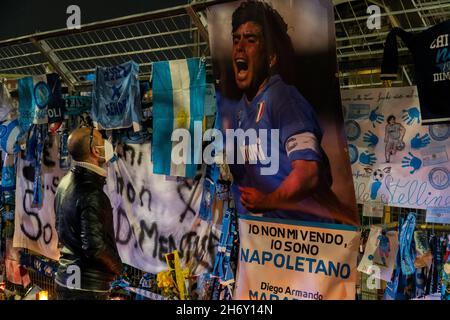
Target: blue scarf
{"x": 37, "y": 187}
{"x": 407, "y": 252}
{"x": 222, "y": 266}
{"x": 209, "y": 190}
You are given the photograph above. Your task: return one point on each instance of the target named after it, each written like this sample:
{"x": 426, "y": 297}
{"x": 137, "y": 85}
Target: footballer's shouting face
{"x": 250, "y": 59}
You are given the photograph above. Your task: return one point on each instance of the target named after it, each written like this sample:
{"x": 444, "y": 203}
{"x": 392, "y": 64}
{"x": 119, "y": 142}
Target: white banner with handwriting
{"x": 295, "y": 260}
{"x": 155, "y": 215}
{"x": 35, "y": 226}
{"x": 396, "y": 160}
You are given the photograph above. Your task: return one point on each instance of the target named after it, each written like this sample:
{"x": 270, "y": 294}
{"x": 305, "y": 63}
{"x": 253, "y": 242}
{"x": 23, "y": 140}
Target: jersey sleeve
{"x": 300, "y": 133}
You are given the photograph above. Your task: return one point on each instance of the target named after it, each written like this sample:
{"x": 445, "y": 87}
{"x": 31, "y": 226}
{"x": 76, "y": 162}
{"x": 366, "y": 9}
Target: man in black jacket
{"x": 89, "y": 259}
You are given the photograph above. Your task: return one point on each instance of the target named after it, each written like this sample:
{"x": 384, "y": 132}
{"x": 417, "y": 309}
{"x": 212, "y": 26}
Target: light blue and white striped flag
{"x": 178, "y": 102}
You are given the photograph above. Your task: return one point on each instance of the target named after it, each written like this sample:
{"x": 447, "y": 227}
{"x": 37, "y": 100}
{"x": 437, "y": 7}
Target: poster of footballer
{"x": 280, "y": 110}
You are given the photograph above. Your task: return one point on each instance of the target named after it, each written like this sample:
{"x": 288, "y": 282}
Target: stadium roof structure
{"x": 181, "y": 32}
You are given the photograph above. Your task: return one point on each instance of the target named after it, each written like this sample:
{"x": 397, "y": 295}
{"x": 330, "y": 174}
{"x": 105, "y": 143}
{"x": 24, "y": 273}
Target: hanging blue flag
{"x": 116, "y": 99}
{"x": 26, "y": 102}
{"x": 178, "y": 103}
{"x": 34, "y": 97}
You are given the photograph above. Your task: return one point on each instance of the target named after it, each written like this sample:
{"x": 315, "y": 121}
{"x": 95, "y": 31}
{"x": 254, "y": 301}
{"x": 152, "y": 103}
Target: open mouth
{"x": 242, "y": 66}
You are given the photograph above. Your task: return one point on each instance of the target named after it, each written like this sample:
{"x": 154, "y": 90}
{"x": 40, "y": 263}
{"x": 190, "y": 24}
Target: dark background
{"x": 23, "y": 17}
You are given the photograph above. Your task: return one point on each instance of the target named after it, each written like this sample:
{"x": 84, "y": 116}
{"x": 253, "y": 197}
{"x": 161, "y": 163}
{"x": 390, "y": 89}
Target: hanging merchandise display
{"x": 380, "y": 253}
{"x": 419, "y": 270}
{"x": 395, "y": 160}
{"x": 116, "y": 96}
{"x": 178, "y": 110}
{"x": 431, "y": 54}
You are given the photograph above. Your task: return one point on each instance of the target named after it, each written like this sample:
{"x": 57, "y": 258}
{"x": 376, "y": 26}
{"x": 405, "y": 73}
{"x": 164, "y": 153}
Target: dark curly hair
{"x": 275, "y": 34}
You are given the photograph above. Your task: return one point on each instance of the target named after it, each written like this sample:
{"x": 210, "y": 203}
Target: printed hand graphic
{"x": 411, "y": 114}
{"x": 412, "y": 162}
{"x": 371, "y": 139}
{"x": 368, "y": 159}
{"x": 375, "y": 117}
{"x": 420, "y": 142}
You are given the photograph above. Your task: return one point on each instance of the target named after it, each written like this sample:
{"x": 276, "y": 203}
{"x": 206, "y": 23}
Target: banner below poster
{"x": 396, "y": 160}
{"x": 154, "y": 214}
{"x": 294, "y": 260}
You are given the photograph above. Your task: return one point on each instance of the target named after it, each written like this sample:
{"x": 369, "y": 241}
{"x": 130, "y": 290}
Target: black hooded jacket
{"x": 86, "y": 233}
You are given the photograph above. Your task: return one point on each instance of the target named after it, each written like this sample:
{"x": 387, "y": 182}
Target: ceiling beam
{"x": 54, "y": 61}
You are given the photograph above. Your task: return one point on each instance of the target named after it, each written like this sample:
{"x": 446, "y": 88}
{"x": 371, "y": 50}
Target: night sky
{"x": 23, "y": 17}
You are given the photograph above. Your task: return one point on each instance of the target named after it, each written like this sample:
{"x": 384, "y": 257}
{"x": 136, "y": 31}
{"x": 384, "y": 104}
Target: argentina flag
{"x": 178, "y": 103}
